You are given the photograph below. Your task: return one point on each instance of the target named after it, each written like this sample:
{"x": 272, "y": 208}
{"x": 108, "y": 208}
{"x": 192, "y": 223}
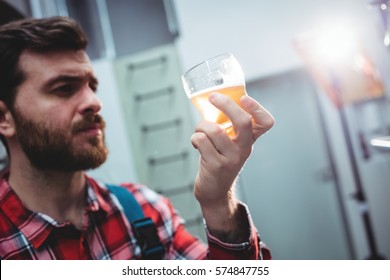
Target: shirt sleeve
{"x": 186, "y": 246}
{"x": 252, "y": 249}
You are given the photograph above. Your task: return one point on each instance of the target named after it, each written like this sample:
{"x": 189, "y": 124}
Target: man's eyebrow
{"x": 70, "y": 78}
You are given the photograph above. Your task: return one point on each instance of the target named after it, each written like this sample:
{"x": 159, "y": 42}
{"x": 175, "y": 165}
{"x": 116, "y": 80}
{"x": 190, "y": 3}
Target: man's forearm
{"x": 228, "y": 222}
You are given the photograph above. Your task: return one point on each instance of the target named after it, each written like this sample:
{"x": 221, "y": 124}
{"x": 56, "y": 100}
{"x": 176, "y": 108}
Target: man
{"x": 51, "y": 127}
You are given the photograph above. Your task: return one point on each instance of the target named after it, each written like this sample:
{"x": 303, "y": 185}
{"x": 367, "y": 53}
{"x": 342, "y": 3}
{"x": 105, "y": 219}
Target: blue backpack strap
{"x": 143, "y": 227}
{"x": 131, "y": 207}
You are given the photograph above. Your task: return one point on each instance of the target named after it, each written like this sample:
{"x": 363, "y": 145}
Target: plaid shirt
{"x": 106, "y": 233}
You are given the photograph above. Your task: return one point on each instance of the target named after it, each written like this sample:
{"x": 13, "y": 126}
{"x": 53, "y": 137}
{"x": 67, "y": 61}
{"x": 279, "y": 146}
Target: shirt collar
{"x": 97, "y": 196}
{"x": 36, "y": 227}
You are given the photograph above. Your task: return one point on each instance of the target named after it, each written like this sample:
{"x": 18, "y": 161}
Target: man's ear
{"x": 7, "y": 125}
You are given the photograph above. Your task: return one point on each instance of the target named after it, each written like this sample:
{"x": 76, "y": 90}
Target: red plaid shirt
{"x": 106, "y": 233}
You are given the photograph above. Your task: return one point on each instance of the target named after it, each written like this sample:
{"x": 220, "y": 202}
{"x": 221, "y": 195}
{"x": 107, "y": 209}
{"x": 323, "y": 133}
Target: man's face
{"x": 56, "y": 112}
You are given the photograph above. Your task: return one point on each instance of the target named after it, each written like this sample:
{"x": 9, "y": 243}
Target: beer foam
{"x": 215, "y": 88}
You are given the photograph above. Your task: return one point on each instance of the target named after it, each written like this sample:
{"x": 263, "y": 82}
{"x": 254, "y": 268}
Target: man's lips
{"x": 92, "y": 130}
{"x": 93, "y": 125}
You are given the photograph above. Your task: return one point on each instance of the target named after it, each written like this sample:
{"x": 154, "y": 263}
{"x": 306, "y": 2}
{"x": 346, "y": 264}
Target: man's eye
{"x": 65, "y": 89}
{"x": 93, "y": 86}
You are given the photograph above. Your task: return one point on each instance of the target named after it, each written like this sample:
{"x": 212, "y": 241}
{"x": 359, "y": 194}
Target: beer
{"x": 211, "y": 113}
{"x": 221, "y": 73}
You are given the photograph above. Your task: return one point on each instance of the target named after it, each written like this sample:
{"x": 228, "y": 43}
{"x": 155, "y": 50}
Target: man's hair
{"x": 38, "y": 35}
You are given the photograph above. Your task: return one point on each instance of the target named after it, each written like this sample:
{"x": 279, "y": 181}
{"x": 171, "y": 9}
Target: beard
{"x": 49, "y": 147}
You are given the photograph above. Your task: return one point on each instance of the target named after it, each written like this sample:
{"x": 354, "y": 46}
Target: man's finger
{"x": 217, "y": 136}
{"x": 262, "y": 120}
{"x": 205, "y": 147}
{"x": 240, "y": 119}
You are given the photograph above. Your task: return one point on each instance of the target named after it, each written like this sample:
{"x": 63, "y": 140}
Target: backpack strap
{"x": 143, "y": 227}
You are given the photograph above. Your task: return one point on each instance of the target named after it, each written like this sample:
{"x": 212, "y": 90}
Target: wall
{"x": 288, "y": 181}
{"x": 259, "y": 33}
{"x": 21, "y": 5}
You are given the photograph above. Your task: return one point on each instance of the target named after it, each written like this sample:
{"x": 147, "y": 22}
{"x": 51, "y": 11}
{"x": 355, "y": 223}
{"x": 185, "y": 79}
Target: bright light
{"x": 334, "y": 44}
{"x": 386, "y": 39}
{"x": 381, "y": 142}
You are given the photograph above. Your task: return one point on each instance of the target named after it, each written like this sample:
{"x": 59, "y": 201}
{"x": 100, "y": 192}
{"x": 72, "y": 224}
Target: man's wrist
{"x": 227, "y": 222}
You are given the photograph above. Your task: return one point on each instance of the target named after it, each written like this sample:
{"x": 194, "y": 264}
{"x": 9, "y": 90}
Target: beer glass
{"x": 221, "y": 74}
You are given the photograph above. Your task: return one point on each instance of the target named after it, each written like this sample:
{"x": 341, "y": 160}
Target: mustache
{"x": 88, "y": 122}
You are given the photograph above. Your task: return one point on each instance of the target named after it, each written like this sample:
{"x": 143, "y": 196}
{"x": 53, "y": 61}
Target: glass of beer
{"x": 221, "y": 74}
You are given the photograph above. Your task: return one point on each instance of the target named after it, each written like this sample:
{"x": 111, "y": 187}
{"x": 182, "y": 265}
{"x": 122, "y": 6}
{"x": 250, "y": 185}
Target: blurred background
{"x": 317, "y": 184}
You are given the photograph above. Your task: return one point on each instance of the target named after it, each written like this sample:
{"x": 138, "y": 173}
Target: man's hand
{"x": 223, "y": 157}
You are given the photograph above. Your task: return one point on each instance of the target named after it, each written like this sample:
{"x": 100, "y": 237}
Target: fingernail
{"x": 193, "y": 141}
{"x": 213, "y": 96}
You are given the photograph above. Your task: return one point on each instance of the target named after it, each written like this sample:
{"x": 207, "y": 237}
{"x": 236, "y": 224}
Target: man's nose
{"x": 90, "y": 102}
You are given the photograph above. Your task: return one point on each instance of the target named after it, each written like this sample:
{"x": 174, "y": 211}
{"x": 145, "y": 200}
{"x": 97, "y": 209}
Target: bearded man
{"x": 51, "y": 126}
